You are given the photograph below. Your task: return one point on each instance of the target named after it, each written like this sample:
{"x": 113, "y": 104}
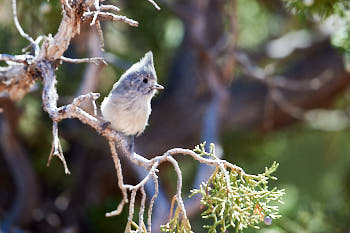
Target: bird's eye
{"x": 145, "y": 80}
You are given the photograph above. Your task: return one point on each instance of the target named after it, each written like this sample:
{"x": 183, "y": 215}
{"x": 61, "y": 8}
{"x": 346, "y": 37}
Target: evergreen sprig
{"x": 235, "y": 200}
{"x": 322, "y": 8}
{"x": 340, "y": 9}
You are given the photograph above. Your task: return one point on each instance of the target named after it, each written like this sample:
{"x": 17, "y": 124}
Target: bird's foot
{"x": 104, "y": 126}
{"x": 131, "y": 143}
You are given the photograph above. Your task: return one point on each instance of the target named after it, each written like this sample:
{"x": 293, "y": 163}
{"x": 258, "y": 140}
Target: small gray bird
{"x": 128, "y": 105}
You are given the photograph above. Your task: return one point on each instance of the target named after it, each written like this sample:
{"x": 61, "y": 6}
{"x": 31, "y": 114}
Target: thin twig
{"x": 56, "y": 148}
{"x": 118, "y": 169}
{"x": 16, "y": 58}
{"x": 131, "y": 211}
{"x": 97, "y": 6}
{"x": 100, "y": 35}
{"x": 94, "y": 107}
{"x": 156, "y": 190}
{"x": 154, "y": 4}
{"x": 117, "y": 211}
{"x": 199, "y": 158}
{"x": 94, "y": 60}
{"x": 68, "y": 5}
{"x": 179, "y": 186}
{"x": 111, "y": 16}
{"x": 142, "y": 209}
{"x": 109, "y": 7}
{"x": 172, "y": 208}
{"x": 18, "y": 26}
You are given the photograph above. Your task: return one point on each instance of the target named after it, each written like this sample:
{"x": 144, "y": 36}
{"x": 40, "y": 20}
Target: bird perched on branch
{"x": 128, "y": 105}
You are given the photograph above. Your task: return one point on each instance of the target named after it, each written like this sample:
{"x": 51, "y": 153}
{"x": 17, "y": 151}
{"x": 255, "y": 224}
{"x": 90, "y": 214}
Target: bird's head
{"x": 140, "y": 78}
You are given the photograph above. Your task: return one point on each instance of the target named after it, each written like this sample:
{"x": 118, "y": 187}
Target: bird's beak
{"x": 157, "y": 87}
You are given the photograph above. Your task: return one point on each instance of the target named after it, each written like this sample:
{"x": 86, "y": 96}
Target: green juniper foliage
{"x": 323, "y": 8}
{"x": 339, "y": 9}
{"x": 232, "y": 199}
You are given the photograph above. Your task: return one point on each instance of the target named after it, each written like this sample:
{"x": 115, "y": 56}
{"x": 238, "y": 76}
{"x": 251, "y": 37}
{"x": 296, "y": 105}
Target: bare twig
{"x": 56, "y": 148}
{"x": 117, "y": 211}
{"x": 97, "y": 6}
{"x": 179, "y": 186}
{"x": 111, "y": 16}
{"x": 131, "y": 211}
{"x": 172, "y": 207}
{"x": 18, "y": 26}
{"x": 16, "y": 58}
{"x": 100, "y": 35}
{"x": 176, "y": 151}
{"x": 142, "y": 209}
{"x": 109, "y": 7}
{"x": 67, "y": 4}
{"x": 118, "y": 168}
{"x": 94, "y": 60}
{"x": 149, "y": 218}
{"x": 154, "y": 4}
{"x": 94, "y": 106}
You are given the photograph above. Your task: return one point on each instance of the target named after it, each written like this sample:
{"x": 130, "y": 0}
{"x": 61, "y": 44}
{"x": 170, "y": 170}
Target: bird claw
{"x": 131, "y": 143}
{"x": 104, "y": 126}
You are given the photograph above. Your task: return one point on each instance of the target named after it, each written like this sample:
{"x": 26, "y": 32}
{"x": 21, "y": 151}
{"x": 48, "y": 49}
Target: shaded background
{"x": 208, "y": 96}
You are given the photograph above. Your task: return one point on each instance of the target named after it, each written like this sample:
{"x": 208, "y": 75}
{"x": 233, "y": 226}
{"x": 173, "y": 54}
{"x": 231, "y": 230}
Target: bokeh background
{"x": 210, "y": 95}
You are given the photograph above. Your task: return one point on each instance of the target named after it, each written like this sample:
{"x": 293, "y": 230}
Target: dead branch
{"x": 154, "y": 4}
{"x": 19, "y": 28}
{"x": 109, "y": 16}
{"x": 95, "y": 60}
{"x": 15, "y": 58}
{"x": 100, "y": 35}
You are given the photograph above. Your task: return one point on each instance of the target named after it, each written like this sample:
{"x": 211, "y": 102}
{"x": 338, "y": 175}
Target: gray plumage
{"x": 128, "y": 105}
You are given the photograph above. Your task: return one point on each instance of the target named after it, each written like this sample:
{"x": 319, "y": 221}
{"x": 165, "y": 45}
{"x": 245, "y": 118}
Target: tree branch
{"x": 20, "y": 29}
{"x": 110, "y": 16}
{"x": 95, "y": 60}
{"x": 16, "y": 58}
